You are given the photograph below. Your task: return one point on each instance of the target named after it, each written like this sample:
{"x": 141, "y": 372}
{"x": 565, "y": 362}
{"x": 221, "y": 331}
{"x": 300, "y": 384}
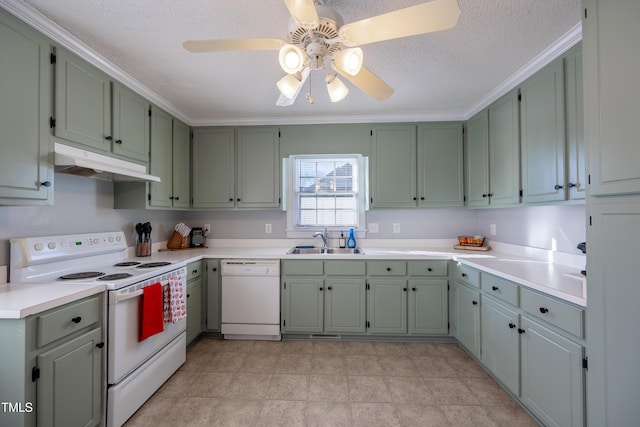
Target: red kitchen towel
{"x": 150, "y": 311}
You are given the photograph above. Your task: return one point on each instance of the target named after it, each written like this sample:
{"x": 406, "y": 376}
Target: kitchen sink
{"x": 318, "y": 251}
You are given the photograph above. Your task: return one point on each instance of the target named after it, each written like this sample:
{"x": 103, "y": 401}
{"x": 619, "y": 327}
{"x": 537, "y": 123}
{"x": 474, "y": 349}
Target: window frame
{"x": 290, "y": 196}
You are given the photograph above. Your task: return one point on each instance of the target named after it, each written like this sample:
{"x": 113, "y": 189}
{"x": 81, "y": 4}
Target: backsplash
{"x": 84, "y": 205}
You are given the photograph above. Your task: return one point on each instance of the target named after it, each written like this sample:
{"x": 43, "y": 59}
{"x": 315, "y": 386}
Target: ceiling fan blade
{"x": 283, "y": 101}
{"x": 303, "y": 12}
{"x": 368, "y": 82}
{"x": 424, "y": 18}
{"x": 199, "y": 46}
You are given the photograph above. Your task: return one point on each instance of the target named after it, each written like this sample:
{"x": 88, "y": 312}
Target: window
{"x": 325, "y": 191}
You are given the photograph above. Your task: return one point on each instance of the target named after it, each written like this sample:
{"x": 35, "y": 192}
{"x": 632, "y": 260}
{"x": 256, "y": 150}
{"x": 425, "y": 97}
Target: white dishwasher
{"x": 250, "y": 299}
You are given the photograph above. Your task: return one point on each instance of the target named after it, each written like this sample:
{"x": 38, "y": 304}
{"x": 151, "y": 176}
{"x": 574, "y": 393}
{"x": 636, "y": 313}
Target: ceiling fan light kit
{"x": 317, "y": 34}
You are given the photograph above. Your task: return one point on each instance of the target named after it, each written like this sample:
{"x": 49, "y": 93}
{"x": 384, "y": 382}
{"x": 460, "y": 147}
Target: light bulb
{"x": 288, "y": 85}
{"x": 349, "y": 60}
{"x": 291, "y": 58}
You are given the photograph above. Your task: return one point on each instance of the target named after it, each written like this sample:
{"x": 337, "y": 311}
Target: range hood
{"x": 77, "y": 161}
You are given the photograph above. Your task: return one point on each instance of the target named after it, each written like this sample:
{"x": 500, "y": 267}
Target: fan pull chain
{"x": 308, "y": 95}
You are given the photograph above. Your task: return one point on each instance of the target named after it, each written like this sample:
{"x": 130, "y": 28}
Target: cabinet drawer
{"x": 555, "y": 312}
{"x": 303, "y": 268}
{"x": 345, "y": 268}
{"x": 387, "y": 268}
{"x": 428, "y": 268}
{"x": 67, "y": 319}
{"x": 468, "y": 275}
{"x": 194, "y": 270}
{"x": 500, "y": 288}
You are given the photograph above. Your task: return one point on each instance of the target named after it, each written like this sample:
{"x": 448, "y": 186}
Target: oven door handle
{"x": 124, "y": 296}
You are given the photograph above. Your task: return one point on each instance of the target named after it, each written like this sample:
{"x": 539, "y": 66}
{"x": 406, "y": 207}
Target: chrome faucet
{"x": 325, "y": 236}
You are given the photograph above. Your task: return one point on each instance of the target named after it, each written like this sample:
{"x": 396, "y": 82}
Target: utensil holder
{"x": 143, "y": 248}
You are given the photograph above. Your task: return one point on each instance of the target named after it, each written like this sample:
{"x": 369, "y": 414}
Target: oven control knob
{"x": 118, "y": 238}
{"x": 38, "y": 246}
{"x": 96, "y": 241}
{"x": 111, "y": 239}
{"x": 51, "y": 245}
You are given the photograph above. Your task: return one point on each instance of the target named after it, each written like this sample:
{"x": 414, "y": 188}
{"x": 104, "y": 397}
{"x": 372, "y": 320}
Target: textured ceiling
{"x": 440, "y": 75}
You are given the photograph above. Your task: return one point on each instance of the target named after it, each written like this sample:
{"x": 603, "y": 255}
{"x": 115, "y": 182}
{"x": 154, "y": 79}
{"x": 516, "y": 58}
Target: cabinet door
{"x": 83, "y": 102}
{"x": 130, "y": 124}
{"x": 303, "y": 305}
{"x": 552, "y": 376}
{"x": 393, "y": 171}
{"x": 70, "y": 386}
{"x": 345, "y": 305}
{"x": 213, "y": 295}
{"x": 574, "y": 108}
{"x": 440, "y": 165}
{"x": 213, "y": 168}
{"x": 258, "y": 168}
{"x": 467, "y": 302}
{"x": 543, "y": 135}
{"x": 194, "y": 309}
{"x": 504, "y": 151}
{"x": 26, "y": 171}
{"x": 387, "y": 306}
{"x": 501, "y": 343}
{"x": 181, "y": 164}
{"x": 161, "y": 159}
{"x": 477, "y": 160}
{"x": 428, "y": 311}
{"x": 612, "y": 95}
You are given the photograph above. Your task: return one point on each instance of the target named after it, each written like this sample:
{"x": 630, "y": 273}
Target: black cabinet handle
{"x": 485, "y": 195}
{"x": 194, "y": 271}
{"x": 494, "y": 288}
{"x": 415, "y": 198}
{"x": 422, "y": 198}
{"x": 571, "y": 185}
{"x": 557, "y": 187}
{"x": 176, "y": 198}
{"x": 404, "y": 289}
{"x": 490, "y": 194}
{"x": 76, "y": 319}
{"x": 188, "y": 295}
{"x": 413, "y": 289}
{"x": 388, "y": 268}
{"x": 238, "y": 199}
{"x": 320, "y": 288}
{"x": 100, "y": 345}
{"x": 170, "y": 197}
{"x": 329, "y": 287}
{"x": 544, "y": 310}
{"x": 464, "y": 274}
{"x": 118, "y": 141}
{"x": 46, "y": 183}
{"x": 521, "y": 331}
{"x": 474, "y": 302}
{"x": 108, "y": 138}
{"x": 511, "y": 325}
{"x": 429, "y": 269}
{"x": 231, "y": 199}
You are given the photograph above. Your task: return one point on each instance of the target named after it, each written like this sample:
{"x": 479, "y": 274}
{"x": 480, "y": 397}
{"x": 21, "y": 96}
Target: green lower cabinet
{"x": 344, "y": 305}
{"x": 501, "y": 343}
{"x": 387, "y": 306}
{"x": 303, "y": 305}
{"x": 552, "y": 376}
{"x": 70, "y": 386}
{"x": 428, "y": 306}
{"x": 467, "y": 307}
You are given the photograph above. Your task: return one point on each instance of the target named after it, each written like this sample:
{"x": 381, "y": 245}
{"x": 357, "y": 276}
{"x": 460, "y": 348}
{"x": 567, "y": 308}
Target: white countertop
{"x": 528, "y": 267}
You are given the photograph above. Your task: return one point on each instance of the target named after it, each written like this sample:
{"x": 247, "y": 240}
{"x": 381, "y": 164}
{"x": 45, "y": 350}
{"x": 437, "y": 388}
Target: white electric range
{"x": 134, "y": 369}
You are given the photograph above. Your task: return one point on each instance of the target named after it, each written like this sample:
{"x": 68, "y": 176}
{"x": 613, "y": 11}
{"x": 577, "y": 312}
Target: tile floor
{"x": 329, "y": 383}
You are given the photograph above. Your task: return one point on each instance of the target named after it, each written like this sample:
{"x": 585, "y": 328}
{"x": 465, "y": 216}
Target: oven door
{"x": 125, "y": 352}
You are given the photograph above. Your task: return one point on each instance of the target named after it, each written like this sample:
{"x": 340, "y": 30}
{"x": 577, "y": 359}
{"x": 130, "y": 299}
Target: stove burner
{"x": 127, "y": 264}
{"x": 154, "y": 264}
{"x": 81, "y": 275}
{"x": 115, "y": 276}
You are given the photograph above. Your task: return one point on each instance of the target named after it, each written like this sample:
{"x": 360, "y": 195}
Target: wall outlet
{"x": 206, "y": 229}
{"x": 492, "y": 229}
{"x": 373, "y": 227}
{"x": 396, "y": 227}
{"x": 267, "y": 228}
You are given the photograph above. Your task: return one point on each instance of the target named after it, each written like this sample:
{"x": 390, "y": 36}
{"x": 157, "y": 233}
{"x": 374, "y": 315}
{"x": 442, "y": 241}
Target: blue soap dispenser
{"x": 351, "y": 241}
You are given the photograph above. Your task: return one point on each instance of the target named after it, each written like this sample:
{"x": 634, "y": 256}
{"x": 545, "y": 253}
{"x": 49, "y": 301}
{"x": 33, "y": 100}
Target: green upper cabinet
{"x": 477, "y": 160}
{"x": 393, "y": 169}
{"x": 543, "y": 135}
{"x": 258, "y": 168}
{"x": 170, "y": 160}
{"x": 611, "y": 96}
{"x": 26, "y": 167}
{"x": 85, "y": 105}
{"x": 574, "y": 110}
{"x": 440, "y": 165}
{"x": 213, "y": 168}
{"x": 504, "y": 151}
{"x": 130, "y": 124}
{"x": 236, "y": 168}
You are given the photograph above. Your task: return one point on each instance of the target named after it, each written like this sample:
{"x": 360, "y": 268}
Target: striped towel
{"x": 175, "y": 308}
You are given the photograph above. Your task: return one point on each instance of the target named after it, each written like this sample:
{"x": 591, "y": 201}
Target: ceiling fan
{"x": 317, "y": 35}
